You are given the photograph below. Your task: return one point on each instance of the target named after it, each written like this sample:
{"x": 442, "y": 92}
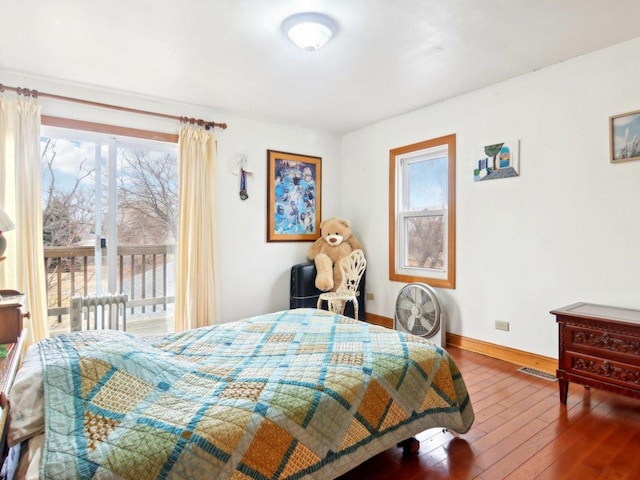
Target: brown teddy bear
{"x": 336, "y": 242}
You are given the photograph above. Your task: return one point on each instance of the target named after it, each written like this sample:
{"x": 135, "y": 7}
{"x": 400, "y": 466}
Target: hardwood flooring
{"x": 522, "y": 432}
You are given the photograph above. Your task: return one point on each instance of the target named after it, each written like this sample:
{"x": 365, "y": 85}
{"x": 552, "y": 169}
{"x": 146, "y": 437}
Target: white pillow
{"x": 26, "y": 399}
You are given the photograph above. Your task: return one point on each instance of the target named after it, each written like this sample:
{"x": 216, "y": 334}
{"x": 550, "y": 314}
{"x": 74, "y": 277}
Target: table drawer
{"x": 10, "y": 315}
{"x": 604, "y": 369}
{"x": 10, "y": 326}
{"x": 624, "y": 347}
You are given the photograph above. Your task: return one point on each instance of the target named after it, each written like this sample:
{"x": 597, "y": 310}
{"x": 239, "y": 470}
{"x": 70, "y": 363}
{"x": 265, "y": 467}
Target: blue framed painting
{"x": 624, "y": 137}
{"x": 294, "y": 190}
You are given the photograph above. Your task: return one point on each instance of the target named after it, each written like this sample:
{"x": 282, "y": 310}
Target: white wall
{"x": 253, "y": 275}
{"x": 566, "y": 230}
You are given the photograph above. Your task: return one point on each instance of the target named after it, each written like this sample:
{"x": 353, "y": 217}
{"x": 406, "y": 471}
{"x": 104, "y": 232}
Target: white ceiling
{"x": 388, "y": 57}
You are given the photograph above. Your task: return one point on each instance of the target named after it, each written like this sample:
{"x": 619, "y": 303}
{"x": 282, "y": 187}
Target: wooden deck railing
{"x": 144, "y": 272}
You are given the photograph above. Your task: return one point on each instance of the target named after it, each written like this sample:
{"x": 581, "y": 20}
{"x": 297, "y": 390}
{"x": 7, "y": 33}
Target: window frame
{"x": 397, "y": 241}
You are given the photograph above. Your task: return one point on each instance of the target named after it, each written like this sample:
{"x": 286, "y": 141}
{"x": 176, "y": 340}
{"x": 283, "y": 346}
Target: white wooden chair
{"x": 352, "y": 268}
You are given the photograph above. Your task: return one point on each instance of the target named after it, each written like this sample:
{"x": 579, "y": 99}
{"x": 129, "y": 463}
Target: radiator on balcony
{"x": 99, "y": 312}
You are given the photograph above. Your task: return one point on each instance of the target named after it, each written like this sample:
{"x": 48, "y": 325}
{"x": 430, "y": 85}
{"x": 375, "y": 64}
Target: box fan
{"x": 419, "y": 311}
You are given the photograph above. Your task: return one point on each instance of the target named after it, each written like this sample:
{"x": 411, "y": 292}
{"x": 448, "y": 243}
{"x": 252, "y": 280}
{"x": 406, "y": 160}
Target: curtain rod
{"x": 35, "y": 94}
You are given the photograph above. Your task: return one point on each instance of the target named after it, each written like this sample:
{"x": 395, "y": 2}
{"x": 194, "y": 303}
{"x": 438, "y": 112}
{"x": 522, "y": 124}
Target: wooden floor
{"x": 522, "y": 432}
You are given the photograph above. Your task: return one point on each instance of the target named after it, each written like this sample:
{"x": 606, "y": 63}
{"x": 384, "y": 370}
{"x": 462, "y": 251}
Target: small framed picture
{"x": 498, "y": 160}
{"x": 293, "y": 197}
{"x": 624, "y": 137}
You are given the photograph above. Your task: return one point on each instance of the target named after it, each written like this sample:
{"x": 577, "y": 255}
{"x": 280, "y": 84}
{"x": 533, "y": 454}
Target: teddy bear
{"x": 336, "y": 242}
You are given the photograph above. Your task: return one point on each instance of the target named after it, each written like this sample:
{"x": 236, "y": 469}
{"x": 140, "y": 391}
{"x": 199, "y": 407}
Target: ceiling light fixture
{"x": 309, "y": 31}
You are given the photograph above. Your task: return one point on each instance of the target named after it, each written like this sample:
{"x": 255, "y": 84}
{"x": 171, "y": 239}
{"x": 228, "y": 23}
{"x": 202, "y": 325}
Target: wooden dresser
{"x": 599, "y": 346}
{"x": 11, "y": 331}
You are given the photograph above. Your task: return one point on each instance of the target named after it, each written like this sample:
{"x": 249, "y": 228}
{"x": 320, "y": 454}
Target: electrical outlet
{"x": 502, "y": 325}
{"x": 369, "y": 296}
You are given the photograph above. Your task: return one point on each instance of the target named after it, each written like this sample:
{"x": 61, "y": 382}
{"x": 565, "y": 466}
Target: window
{"x": 422, "y": 212}
{"x": 109, "y": 205}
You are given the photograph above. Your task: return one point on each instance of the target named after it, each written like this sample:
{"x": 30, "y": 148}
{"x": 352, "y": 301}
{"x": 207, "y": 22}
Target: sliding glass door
{"x": 109, "y": 222}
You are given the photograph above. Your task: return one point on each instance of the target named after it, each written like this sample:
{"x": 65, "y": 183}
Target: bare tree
{"x": 426, "y": 242}
{"x": 68, "y": 214}
{"x": 148, "y": 198}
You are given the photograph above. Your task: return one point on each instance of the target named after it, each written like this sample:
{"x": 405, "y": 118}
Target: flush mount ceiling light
{"x": 309, "y": 31}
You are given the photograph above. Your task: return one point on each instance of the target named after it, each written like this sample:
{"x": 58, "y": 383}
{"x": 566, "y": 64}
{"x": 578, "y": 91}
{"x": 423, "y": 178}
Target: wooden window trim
{"x": 450, "y": 280}
{"x": 107, "y": 129}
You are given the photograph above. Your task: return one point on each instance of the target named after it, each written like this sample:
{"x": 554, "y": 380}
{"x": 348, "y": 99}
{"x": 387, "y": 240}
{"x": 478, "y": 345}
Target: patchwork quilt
{"x": 295, "y": 394}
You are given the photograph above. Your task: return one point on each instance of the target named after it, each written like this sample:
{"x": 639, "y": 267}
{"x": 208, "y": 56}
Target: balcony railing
{"x": 144, "y": 272}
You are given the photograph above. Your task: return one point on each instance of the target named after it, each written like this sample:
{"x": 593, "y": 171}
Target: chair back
{"x": 352, "y": 267}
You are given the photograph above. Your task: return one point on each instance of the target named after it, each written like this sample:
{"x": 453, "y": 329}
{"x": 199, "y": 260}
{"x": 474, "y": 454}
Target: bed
{"x": 295, "y": 394}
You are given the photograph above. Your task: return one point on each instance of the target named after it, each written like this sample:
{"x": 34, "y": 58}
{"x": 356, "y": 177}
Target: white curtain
{"x": 20, "y": 196}
{"x": 195, "y": 266}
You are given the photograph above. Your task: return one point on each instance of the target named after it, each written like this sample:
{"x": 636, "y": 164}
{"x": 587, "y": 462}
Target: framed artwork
{"x": 293, "y": 197}
{"x": 624, "y": 137}
{"x": 498, "y": 160}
